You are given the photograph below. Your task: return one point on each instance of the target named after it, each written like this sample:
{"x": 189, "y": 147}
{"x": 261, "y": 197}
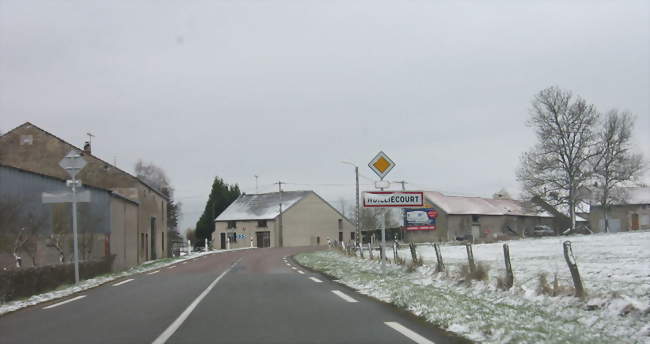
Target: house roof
{"x": 460, "y": 205}
{"x": 261, "y": 206}
{"x": 29, "y": 124}
{"x": 637, "y": 195}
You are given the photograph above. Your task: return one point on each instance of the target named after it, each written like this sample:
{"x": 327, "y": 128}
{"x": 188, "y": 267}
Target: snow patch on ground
{"x": 615, "y": 269}
{"x": 68, "y": 290}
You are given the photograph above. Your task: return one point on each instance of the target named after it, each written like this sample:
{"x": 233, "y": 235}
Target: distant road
{"x": 250, "y": 296}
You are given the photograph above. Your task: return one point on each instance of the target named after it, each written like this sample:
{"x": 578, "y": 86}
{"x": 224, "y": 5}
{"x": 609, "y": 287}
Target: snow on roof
{"x": 459, "y": 205}
{"x": 260, "y": 206}
{"x": 637, "y": 195}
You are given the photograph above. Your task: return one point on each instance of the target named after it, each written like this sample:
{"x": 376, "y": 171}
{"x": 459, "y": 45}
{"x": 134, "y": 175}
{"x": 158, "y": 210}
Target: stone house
{"x": 307, "y": 220}
{"x": 630, "y": 213}
{"x": 29, "y": 148}
{"x": 477, "y": 218}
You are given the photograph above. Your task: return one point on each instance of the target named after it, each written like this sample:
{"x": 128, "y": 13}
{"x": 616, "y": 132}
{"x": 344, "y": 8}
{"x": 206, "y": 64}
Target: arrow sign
{"x": 65, "y": 197}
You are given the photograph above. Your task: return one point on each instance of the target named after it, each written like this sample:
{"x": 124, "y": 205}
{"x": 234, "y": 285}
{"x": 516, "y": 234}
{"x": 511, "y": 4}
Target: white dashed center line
{"x": 64, "y": 302}
{"x": 293, "y": 267}
{"x": 315, "y": 279}
{"x": 300, "y": 272}
{"x": 162, "y": 338}
{"x": 153, "y": 272}
{"x": 408, "y": 333}
{"x": 123, "y": 282}
{"x": 343, "y": 296}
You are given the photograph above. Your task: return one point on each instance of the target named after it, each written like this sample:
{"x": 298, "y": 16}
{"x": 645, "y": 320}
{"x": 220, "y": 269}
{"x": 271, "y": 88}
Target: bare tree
{"x": 20, "y": 228}
{"x": 57, "y": 242}
{"x": 616, "y": 162}
{"x": 559, "y": 165}
{"x": 153, "y": 175}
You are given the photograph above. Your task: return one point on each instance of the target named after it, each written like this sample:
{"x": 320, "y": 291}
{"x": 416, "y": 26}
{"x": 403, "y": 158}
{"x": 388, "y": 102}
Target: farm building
{"x": 460, "y": 217}
{"x": 30, "y": 158}
{"x": 307, "y": 220}
{"x": 631, "y": 212}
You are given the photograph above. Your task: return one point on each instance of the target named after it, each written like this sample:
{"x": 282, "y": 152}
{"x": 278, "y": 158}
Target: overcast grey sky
{"x": 288, "y": 89}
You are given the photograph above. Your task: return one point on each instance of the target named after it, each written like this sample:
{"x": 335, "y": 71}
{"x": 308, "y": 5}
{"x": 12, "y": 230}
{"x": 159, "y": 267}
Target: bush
{"x": 25, "y": 282}
{"x": 480, "y": 272}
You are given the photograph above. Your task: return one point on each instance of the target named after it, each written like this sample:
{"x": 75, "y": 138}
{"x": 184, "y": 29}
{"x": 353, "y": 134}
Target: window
{"x": 232, "y": 224}
{"x": 352, "y": 235}
{"x": 233, "y": 237}
{"x": 340, "y": 224}
{"x": 261, "y": 223}
{"x": 475, "y": 218}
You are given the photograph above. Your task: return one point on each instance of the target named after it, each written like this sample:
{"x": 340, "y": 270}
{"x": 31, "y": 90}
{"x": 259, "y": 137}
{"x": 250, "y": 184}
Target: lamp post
{"x": 358, "y": 228}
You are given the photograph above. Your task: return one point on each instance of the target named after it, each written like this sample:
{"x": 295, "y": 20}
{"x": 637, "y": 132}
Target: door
{"x": 340, "y": 236}
{"x": 153, "y": 238}
{"x": 635, "y": 222}
{"x": 263, "y": 239}
{"x": 223, "y": 240}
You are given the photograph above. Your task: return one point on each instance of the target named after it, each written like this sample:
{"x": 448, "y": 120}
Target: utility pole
{"x": 256, "y": 176}
{"x": 403, "y": 211}
{"x": 359, "y": 239}
{"x": 280, "y": 216}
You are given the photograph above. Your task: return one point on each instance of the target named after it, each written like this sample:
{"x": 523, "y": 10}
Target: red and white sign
{"x": 421, "y": 228}
{"x": 399, "y": 199}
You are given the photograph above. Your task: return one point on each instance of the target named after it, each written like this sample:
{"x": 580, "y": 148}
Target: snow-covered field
{"x": 615, "y": 269}
{"x": 67, "y": 290}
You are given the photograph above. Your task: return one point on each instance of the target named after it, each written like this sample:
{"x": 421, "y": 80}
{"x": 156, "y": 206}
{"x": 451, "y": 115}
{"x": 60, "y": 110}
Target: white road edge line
{"x": 186, "y": 313}
{"x": 408, "y": 333}
{"x": 171, "y": 267}
{"x": 184, "y": 263}
{"x": 66, "y": 301}
{"x": 123, "y": 282}
{"x": 343, "y": 296}
{"x": 315, "y": 279}
{"x": 300, "y": 272}
{"x": 153, "y": 272}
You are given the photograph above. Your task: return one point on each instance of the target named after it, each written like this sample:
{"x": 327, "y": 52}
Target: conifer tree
{"x": 221, "y": 196}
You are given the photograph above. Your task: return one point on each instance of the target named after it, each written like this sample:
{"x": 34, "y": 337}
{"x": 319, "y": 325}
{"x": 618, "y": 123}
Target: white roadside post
{"x": 189, "y": 247}
{"x": 73, "y": 163}
{"x": 206, "y": 244}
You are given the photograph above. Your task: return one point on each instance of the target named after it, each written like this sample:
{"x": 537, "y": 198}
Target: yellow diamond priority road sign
{"x": 381, "y": 164}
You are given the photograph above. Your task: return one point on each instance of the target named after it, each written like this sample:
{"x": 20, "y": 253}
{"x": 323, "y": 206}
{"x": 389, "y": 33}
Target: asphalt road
{"x": 248, "y": 296}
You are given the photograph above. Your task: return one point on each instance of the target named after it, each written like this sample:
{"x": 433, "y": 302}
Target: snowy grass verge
{"x": 67, "y": 290}
{"x": 479, "y": 311}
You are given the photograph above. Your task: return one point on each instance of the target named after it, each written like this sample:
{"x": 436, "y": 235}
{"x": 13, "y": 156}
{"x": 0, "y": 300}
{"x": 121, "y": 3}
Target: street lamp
{"x": 356, "y": 172}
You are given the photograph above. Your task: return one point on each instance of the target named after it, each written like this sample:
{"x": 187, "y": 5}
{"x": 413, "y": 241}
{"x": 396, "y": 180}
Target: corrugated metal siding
{"x": 27, "y": 188}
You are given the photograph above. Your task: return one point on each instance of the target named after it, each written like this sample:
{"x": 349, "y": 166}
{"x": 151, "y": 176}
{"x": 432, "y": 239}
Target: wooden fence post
{"x": 573, "y": 267}
{"x": 470, "y": 258}
{"x": 440, "y": 267}
{"x": 510, "y": 278}
{"x": 370, "y": 255}
{"x": 395, "y": 253}
{"x": 414, "y": 256}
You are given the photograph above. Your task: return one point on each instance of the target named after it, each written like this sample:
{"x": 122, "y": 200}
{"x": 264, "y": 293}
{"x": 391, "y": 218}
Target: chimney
{"x": 87, "y": 149}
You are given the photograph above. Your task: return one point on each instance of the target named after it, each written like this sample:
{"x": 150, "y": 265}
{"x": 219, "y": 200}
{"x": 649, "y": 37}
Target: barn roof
{"x": 461, "y": 205}
{"x": 260, "y": 206}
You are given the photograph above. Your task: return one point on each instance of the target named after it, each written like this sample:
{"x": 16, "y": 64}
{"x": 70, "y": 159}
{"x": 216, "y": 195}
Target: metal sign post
{"x": 381, "y": 164}
{"x": 73, "y": 163}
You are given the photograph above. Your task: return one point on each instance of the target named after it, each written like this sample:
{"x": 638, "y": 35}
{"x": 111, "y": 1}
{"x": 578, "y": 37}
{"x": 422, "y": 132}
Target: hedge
{"x": 25, "y": 282}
